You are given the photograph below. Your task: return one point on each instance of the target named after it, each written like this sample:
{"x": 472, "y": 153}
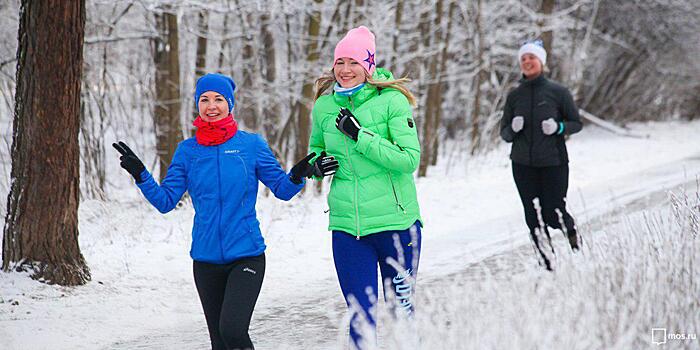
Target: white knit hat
{"x": 535, "y": 48}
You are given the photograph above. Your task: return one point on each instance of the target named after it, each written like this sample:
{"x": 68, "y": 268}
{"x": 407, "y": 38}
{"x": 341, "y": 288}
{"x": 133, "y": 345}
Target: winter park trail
{"x": 311, "y": 319}
{"x": 475, "y": 251}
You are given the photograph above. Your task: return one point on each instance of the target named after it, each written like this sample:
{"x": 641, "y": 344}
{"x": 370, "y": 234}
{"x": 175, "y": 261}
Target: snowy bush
{"x": 631, "y": 276}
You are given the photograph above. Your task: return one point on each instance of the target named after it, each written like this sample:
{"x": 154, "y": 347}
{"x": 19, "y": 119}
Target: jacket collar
{"x": 533, "y": 82}
{"x": 359, "y": 97}
{"x": 367, "y": 92}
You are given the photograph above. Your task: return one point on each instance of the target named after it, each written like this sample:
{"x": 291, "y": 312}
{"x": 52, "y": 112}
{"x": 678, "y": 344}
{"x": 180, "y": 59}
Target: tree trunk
{"x": 433, "y": 98}
{"x": 201, "y": 59}
{"x": 271, "y": 111}
{"x": 41, "y": 226}
{"x": 92, "y": 134}
{"x": 286, "y": 127}
{"x": 546, "y": 10}
{"x": 358, "y": 13}
{"x": 224, "y": 44}
{"x": 247, "y": 110}
{"x": 167, "y": 85}
{"x": 307, "y": 91}
{"x": 577, "y": 69}
{"x": 567, "y": 63}
{"x": 398, "y": 14}
{"x": 480, "y": 78}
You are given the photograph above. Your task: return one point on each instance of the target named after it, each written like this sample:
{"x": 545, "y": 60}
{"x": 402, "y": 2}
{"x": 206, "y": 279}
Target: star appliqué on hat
{"x": 370, "y": 59}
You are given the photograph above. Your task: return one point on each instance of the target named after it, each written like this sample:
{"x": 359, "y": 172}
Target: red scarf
{"x": 215, "y": 133}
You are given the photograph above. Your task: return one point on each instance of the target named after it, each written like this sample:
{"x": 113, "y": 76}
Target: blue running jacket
{"x": 223, "y": 183}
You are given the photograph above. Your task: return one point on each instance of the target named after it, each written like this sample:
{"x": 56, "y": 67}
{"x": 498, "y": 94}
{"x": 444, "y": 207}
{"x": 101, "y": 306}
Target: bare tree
{"x": 303, "y": 110}
{"x": 481, "y": 76}
{"x": 41, "y": 226}
{"x": 272, "y": 110}
{"x": 167, "y": 86}
{"x": 546, "y": 9}
{"x": 630, "y": 40}
{"x": 434, "y": 33}
{"x": 608, "y": 52}
{"x": 247, "y": 111}
{"x": 201, "y": 55}
{"x": 224, "y": 45}
{"x": 201, "y": 60}
{"x": 398, "y": 17}
{"x": 94, "y": 111}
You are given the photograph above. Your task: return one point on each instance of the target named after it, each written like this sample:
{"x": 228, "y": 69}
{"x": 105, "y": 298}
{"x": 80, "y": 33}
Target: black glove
{"x": 325, "y": 165}
{"x": 347, "y": 124}
{"x": 302, "y": 169}
{"x": 130, "y": 161}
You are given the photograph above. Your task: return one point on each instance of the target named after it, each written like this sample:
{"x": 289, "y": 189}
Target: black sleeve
{"x": 568, "y": 109}
{"x": 507, "y": 133}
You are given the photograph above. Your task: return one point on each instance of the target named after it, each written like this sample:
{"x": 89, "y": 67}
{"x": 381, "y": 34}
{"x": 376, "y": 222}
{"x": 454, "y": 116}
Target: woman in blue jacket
{"x": 220, "y": 168}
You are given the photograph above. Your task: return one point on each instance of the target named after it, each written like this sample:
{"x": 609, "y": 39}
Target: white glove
{"x": 517, "y": 123}
{"x": 549, "y": 126}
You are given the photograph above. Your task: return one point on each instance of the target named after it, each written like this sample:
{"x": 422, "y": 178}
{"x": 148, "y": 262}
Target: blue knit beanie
{"x": 217, "y": 83}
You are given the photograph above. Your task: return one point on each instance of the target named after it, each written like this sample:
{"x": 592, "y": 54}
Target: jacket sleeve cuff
{"x": 507, "y": 134}
{"x": 146, "y": 177}
{"x": 296, "y": 186}
{"x": 364, "y": 140}
{"x": 561, "y": 128}
{"x": 292, "y": 179}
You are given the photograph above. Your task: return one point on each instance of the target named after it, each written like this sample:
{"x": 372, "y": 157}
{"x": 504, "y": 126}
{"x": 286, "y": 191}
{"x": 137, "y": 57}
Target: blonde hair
{"x": 328, "y": 79}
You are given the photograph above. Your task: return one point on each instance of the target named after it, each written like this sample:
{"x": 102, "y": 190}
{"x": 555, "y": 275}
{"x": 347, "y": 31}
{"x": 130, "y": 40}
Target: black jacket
{"x": 538, "y": 100}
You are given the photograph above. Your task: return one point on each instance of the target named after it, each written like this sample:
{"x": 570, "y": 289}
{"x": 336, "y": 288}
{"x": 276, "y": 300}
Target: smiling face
{"x": 212, "y": 106}
{"x": 530, "y": 65}
{"x": 348, "y": 72}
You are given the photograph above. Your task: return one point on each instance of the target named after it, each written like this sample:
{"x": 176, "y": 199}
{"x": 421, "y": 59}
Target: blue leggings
{"x": 356, "y": 264}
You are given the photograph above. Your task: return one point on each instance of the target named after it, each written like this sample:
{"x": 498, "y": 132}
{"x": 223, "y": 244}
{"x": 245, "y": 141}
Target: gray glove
{"x": 549, "y": 126}
{"x": 517, "y": 123}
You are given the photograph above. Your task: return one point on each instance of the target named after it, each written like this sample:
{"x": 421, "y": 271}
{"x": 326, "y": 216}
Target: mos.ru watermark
{"x": 661, "y": 336}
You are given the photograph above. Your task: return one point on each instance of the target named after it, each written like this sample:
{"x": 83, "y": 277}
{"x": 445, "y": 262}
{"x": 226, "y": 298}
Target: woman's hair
{"x": 328, "y": 79}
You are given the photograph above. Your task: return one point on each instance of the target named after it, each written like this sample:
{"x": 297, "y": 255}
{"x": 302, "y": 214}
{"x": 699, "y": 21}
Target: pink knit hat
{"x": 357, "y": 44}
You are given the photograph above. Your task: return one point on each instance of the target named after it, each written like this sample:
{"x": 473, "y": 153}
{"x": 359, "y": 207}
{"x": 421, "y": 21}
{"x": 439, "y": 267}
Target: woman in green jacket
{"x": 366, "y": 123}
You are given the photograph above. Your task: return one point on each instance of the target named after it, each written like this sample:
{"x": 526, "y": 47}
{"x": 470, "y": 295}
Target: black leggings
{"x": 228, "y": 294}
{"x": 549, "y": 185}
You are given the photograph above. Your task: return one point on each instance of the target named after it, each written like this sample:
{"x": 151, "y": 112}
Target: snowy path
{"x": 310, "y": 319}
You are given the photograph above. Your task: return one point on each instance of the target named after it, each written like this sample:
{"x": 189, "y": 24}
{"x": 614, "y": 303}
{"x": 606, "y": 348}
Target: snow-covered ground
{"x": 142, "y": 294}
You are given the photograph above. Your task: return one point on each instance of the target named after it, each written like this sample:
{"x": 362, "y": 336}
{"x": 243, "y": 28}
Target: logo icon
{"x": 370, "y": 60}
{"x": 658, "y": 336}
{"x": 248, "y": 269}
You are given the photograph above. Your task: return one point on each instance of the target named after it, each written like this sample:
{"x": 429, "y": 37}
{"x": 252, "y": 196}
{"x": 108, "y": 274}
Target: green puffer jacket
{"x": 373, "y": 189}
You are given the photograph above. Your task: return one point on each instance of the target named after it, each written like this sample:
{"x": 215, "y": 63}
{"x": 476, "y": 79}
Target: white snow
{"x": 141, "y": 271}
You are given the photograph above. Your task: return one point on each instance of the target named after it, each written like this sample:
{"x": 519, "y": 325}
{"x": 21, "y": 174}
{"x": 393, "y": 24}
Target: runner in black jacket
{"x": 536, "y": 117}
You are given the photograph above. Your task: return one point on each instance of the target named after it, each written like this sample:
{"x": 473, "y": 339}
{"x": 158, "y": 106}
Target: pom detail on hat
{"x": 535, "y": 48}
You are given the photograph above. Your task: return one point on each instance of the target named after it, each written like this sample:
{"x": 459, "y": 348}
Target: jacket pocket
{"x": 397, "y": 196}
{"x": 235, "y": 178}
{"x": 201, "y": 177}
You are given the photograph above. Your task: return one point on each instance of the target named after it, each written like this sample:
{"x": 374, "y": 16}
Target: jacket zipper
{"x": 218, "y": 178}
{"x": 396, "y": 198}
{"x": 245, "y": 190}
{"x": 354, "y": 178}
